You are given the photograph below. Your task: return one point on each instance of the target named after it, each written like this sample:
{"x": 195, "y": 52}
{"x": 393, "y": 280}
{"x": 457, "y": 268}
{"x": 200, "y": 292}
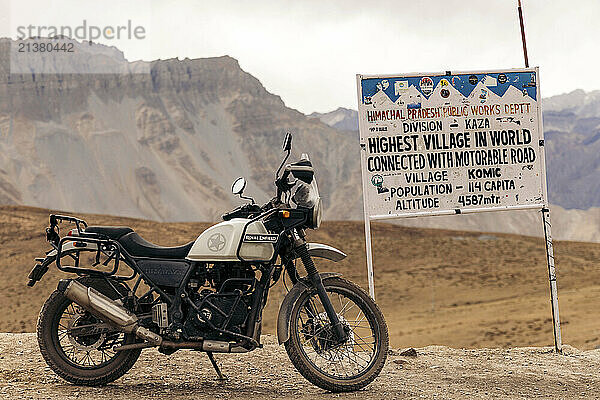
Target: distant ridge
{"x": 166, "y": 145}
{"x": 342, "y": 118}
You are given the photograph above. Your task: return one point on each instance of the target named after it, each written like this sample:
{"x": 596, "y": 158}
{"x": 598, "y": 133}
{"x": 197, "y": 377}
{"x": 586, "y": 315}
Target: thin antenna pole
{"x": 523, "y": 35}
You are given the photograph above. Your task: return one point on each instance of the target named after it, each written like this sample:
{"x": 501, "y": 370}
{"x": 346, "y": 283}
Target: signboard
{"x": 451, "y": 142}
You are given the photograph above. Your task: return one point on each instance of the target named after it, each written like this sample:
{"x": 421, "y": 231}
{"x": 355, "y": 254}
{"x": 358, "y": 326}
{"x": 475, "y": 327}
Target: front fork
{"x": 315, "y": 279}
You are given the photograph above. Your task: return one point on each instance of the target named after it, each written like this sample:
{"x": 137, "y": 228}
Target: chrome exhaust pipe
{"x": 107, "y": 309}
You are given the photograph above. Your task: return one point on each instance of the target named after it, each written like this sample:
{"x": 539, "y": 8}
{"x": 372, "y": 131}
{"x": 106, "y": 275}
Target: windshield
{"x": 306, "y": 195}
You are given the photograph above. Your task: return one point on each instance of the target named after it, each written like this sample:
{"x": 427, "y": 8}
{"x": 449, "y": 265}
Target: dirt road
{"x": 435, "y": 373}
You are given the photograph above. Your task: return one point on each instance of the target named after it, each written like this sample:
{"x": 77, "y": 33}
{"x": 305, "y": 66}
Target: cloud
{"x": 309, "y": 51}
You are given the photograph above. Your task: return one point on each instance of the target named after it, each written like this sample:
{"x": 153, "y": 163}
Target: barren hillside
{"x": 460, "y": 289}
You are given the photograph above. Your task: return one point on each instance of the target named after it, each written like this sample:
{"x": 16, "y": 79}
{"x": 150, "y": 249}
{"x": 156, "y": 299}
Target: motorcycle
{"x": 209, "y": 294}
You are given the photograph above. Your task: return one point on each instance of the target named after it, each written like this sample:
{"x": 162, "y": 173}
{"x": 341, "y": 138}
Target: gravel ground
{"x": 435, "y": 373}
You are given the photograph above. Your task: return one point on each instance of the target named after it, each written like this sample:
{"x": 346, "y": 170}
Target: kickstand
{"x": 221, "y": 377}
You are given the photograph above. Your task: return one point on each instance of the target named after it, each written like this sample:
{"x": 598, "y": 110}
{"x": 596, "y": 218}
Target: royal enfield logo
{"x": 216, "y": 242}
{"x": 260, "y": 238}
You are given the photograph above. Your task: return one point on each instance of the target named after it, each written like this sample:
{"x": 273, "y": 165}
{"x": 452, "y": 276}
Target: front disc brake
{"x": 319, "y": 332}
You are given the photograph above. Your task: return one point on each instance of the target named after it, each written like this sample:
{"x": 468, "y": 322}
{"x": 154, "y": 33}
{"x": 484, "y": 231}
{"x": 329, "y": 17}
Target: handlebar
{"x": 300, "y": 170}
{"x": 244, "y": 211}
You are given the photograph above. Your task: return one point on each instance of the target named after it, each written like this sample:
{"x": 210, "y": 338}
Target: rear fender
{"x": 285, "y": 311}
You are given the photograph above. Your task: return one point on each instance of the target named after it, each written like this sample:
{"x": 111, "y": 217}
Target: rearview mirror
{"x": 287, "y": 142}
{"x": 238, "y": 186}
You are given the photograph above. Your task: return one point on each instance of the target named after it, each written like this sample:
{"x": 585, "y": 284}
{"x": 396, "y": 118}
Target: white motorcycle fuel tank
{"x": 220, "y": 242}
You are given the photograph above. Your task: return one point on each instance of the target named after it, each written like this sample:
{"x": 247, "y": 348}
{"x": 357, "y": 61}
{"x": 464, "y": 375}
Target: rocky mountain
{"x": 162, "y": 145}
{"x": 164, "y": 140}
{"x": 342, "y": 119}
{"x": 572, "y": 131}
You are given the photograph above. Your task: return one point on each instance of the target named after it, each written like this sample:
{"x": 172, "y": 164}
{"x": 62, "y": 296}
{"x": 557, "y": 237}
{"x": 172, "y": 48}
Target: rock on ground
{"x": 436, "y": 373}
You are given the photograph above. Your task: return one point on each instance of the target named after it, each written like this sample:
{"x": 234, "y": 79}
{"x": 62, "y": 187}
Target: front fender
{"x": 324, "y": 251}
{"x": 285, "y": 311}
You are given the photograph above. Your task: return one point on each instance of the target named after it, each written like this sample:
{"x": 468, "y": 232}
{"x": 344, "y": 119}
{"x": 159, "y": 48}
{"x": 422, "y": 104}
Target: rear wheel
{"x": 78, "y": 346}
{"x": 313, "y": 348}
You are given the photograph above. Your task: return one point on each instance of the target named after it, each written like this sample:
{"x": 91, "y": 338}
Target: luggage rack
{"x": 109, "y": 247}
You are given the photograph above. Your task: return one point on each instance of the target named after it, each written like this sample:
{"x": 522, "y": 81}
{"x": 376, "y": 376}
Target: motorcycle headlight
{"x": 317, "y": 213}
{"x": 307, "y": 197}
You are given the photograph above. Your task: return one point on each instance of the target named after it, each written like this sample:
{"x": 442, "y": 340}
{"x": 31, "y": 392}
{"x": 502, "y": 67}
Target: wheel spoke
{"x": 318, "y": 342}
{"x": 343, "y": 311}
{"x": 84, "y": 350}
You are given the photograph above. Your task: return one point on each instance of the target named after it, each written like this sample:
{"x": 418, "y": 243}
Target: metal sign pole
{"x": 369, "y": 256}
{"x": 363, "y": 162}
{"x": 523, "y": 33}
{"x": 552, "y": 279}
{"x": 548, "y": 234}
{"x": 368, "y": 244}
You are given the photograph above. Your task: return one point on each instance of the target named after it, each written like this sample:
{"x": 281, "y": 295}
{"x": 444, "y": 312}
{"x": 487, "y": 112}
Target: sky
{"x": 309, "y": 52}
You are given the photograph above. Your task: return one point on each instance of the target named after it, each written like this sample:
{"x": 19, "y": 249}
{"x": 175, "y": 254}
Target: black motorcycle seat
{"x": 112, "y": 232}
{"x": 136, "y": 246}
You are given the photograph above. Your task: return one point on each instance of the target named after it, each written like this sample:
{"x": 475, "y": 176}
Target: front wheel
{"x": 314, "y": 349}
